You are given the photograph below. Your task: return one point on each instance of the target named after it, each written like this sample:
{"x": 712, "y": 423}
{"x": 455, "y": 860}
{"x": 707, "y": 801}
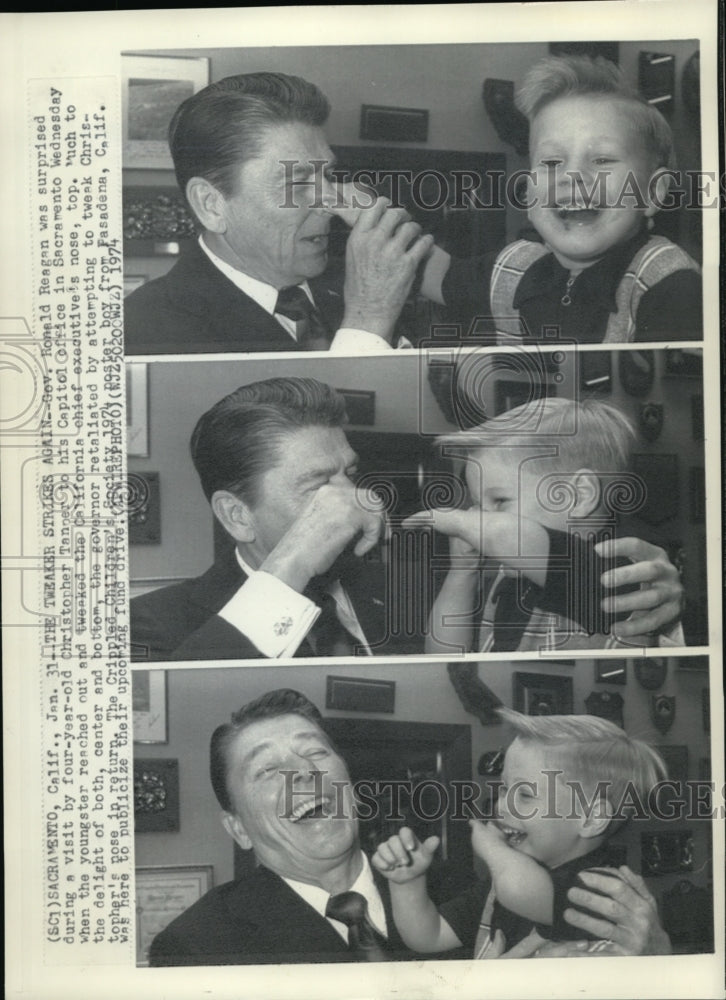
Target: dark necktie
{"x": 329, "y": 636}
{"x": 312, "y": 334}
{"x": 351, "y": 909}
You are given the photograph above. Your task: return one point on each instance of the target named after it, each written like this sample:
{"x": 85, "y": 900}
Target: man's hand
{"x": 336, "y": 514}
{"x": 628, "y": 915}
{"x": 659, "y": 602}
{"x": 403, "y": 857}
{"x": 384, "y": 250}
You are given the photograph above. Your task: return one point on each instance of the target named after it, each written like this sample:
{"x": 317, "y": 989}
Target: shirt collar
{"x": 547, "y": 277}
{"x": 263, "y": 294}
{"x": 318, "y": 898}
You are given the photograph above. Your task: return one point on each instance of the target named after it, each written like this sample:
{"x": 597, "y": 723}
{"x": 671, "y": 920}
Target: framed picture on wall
{"x": 163, "y": 893}
{"x": 137, "y": 410}
{"x": 542, "y": 694}
{"x": 153, "y": 87}
{"x": 156, "y": 795}
{"x": 148, "y": 699}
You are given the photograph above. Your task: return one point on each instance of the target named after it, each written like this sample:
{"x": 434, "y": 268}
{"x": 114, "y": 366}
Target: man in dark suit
{"x": 286, "y": 795}
{"x": 277, "y": 470}
{"x": 251, "y": 157}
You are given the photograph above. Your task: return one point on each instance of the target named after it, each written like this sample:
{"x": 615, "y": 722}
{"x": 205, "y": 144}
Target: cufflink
{"x": 283, "y": 626}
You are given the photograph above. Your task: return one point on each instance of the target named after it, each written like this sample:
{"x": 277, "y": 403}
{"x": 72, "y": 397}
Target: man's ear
{"x": 234, "y": 515}
{"x": 658, "y": 187}
{"x": 235, "y": 828}
{"x": 587, "y": 488}
{"x": 208, "y": 204}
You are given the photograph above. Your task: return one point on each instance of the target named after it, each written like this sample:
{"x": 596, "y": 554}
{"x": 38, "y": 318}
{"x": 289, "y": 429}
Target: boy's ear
{"x": 658, "y": 187}
{"x": 234, "y": 515}
{"x": 599, "y": 819}
{"x": 235, "y": 828}
{"x": 587, "y": 488}
{"x": 208, "y": 204}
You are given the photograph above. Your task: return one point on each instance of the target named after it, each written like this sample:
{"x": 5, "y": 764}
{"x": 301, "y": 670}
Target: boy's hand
{"x": 466, "y": 526}
{"x": 484, "y": 837}
{"x": 659, "y": 602}
{"x": 403, "y": 857}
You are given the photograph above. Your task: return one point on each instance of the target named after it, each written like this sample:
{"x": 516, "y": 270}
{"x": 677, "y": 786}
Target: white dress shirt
{"x": 364, "y": 884}
{"x": 277, "y": 618}
{"x": 346, "y": 341}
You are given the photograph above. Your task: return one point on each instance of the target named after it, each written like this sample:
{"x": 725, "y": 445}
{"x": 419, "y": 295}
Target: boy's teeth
{"x": 512, "y": 835}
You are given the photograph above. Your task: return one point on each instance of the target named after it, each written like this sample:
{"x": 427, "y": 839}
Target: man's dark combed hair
{"x": 234, "y": 443}
{"x": 283, "y": 701}
{"x": 222, "y": 126}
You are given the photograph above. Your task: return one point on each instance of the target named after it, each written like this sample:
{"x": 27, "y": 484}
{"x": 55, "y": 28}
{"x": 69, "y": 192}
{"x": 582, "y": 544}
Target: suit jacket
{"x": 181, "y": 622}
{"x": 260, "y": 920}
{"x": 195, "y": 309}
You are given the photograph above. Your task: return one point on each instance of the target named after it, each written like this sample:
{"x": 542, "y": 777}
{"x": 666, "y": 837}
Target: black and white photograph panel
{"x": 400, "y": 812}
{"x": 348, "y": 198}
{"x": 438, "y": 503}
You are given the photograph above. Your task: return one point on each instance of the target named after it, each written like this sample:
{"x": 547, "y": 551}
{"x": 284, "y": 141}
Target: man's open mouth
{"x": 312, "y": 808}
{"x": 321, "y": 240}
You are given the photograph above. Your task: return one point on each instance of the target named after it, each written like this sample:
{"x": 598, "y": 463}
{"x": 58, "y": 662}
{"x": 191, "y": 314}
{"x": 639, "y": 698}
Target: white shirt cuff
{"x": 350, "y": 341}
{"x": 272, "y": 615}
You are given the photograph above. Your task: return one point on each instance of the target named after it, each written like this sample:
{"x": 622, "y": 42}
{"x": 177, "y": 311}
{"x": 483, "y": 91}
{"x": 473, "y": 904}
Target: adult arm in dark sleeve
{"x": 465, "y": 290}
{"x": 672, "y": 309}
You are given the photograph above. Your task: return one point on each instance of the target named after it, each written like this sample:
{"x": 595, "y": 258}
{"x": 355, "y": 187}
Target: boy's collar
{"x": 601, "y": 280}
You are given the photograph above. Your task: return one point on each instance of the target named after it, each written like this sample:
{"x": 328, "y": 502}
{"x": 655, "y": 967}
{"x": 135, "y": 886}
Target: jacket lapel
{"x": 236, "y": 320}
{"x": 287, "y": 922}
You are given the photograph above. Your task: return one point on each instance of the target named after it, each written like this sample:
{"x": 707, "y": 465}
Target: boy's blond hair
{"x": 568, "y": 76}
{"x": 592, "y": 751}
{"x": 586, "y": 435}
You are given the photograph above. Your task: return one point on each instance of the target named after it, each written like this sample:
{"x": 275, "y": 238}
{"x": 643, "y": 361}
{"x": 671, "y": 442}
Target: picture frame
{"x": 149, "y": 704}
{"x": 137, "y": 409}
{"x": 156, "y": 795}
{"x": 359, "y": 694}
{"x": 162, "y": 893}
{"x": 360, "y": 406}
{"x": 542, "y": 694}
{"x": 153, "y": 87}
{"x": 384, "y": 123}
{"x": 666, "y": 853}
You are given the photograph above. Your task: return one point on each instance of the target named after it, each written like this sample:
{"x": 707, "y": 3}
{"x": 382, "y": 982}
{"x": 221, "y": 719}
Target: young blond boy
{"x": 544, "y": 480}
{"x": 601, "y": 162}
{"x": 568, "y": 782}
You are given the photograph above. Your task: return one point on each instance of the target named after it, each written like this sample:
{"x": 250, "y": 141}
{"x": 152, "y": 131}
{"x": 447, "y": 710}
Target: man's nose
{"x": 331, "y": 194}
